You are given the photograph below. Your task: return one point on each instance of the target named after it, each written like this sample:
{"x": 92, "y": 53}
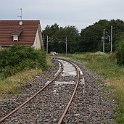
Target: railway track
{"x": 54, "y": 98}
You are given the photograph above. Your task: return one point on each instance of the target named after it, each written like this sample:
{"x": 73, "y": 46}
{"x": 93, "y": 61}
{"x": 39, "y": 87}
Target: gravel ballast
{"x": 91, "y": 104}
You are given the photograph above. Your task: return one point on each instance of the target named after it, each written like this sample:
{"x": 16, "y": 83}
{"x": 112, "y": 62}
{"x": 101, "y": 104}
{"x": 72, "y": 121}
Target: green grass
{"x": 13, "y": 83}
{"x": 105, "y": 66}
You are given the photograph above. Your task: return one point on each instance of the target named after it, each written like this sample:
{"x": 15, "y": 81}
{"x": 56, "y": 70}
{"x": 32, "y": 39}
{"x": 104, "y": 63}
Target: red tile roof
{"x": 26, "y": 32}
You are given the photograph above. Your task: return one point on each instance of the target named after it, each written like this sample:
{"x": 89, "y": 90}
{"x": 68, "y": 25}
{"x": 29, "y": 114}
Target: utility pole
{"x": 103, "y": 40}
{"x": 111, "y": 39}
{"x": 66, "y": 43}
{"x": 47, "y": 44}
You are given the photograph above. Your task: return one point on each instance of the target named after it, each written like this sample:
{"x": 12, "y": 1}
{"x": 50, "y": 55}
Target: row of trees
{"x": 91, "y": 36}
{"x": 88, "y": 40}
{"x": 57, "y": 38}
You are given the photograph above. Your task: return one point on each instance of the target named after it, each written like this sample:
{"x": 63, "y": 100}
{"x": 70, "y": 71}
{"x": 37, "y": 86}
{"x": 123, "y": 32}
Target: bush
{"x": 18, "y": 58}
{"x": 120, "y": 51}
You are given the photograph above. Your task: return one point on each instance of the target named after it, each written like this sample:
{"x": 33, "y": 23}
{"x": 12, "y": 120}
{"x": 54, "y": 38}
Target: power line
{"x": 111, "y": 39}
{"x": 103, "y": 40}
{"x": 66, "y": 42}
{"x": 47, "y": 44}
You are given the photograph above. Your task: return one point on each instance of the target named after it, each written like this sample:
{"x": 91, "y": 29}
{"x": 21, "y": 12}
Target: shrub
{"x": 120, "y": 51}
{"x": 18, "y": 58}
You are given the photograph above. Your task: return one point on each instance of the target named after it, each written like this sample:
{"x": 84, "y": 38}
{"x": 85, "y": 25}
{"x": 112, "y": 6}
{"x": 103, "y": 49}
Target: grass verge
{"x": 105, "y": 66}
{"x": 13, "y": 83}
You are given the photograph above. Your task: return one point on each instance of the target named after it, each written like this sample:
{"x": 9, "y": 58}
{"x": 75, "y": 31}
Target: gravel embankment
{"x": 92, "y": 106}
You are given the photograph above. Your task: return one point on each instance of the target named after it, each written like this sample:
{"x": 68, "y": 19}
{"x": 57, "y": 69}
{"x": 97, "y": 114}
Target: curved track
{"x": 73, "y": 94}
{"x": 34, "y": 95}
{"x": 67, "y": 104}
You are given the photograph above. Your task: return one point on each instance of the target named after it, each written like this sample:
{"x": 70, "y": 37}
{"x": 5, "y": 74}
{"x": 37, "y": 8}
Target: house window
{"x": 15, "y": 38}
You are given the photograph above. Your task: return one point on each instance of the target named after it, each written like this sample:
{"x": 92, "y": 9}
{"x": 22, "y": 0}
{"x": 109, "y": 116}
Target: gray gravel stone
{"x": 91, "y": 104}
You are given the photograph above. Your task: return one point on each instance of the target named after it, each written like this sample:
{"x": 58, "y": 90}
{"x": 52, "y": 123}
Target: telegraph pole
{"x": 66, "y": 43}
{"x": 47, "y": 44}
{"x": 104, "y": 40}
{"x": 111, "y": 39}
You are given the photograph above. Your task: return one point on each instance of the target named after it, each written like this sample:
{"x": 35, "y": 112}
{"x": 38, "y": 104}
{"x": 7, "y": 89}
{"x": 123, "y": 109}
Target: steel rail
{"x": 34, "y": 95}
{"x": 73, "y": 94}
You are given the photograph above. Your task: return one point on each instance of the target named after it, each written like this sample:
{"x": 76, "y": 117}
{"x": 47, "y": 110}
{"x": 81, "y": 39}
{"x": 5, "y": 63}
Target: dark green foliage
{"x": 18, "y": 58}
{"x": 57, "y": 38}
{"x": 120, "y": 50}
{"x": 91, "y": 36}
{"x": 90, "y": 40}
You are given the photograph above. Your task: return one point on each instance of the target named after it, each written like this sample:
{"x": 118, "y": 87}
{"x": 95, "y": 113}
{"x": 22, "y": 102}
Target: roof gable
{"x": 26, "y": 31}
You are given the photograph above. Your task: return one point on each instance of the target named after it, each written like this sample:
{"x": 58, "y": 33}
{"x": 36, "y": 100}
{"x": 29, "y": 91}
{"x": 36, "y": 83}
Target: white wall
{"x": 37, "y": 42}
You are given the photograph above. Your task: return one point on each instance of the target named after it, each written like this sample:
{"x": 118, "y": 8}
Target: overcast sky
{"x": 79, "y": 13}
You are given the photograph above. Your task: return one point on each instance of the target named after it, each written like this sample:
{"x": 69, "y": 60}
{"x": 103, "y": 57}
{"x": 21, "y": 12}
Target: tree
{"x": 89, "y": 40}
{"x": 91, "y": 36}
{"x": 57, "y": 38}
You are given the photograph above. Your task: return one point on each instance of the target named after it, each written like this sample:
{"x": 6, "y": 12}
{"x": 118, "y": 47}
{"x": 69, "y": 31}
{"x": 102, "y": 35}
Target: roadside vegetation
{"x": 18, "y": 64}
{"x": 106, "y": 66}
{"x": 88, "y": 40}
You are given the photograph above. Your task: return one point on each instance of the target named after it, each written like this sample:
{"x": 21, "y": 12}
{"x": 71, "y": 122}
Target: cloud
{"x": 80, "y": 13}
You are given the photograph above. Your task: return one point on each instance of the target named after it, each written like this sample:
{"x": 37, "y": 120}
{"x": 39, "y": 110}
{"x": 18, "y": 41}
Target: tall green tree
{"x": 91, "y": 36}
